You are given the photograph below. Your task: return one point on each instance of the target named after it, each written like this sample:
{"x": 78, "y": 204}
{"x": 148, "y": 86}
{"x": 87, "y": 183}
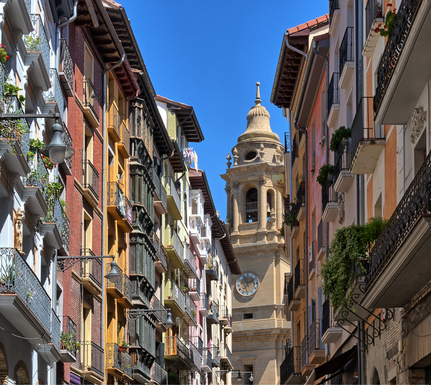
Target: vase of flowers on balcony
{"x": 390, "y": 18}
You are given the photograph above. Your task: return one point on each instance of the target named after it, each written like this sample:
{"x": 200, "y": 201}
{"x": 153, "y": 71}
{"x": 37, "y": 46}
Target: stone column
{"x": 279, "y": 207}
{"x": 228, "y": 206}
{"x": 235, "y": 208}
{"x": 262, "y": 204}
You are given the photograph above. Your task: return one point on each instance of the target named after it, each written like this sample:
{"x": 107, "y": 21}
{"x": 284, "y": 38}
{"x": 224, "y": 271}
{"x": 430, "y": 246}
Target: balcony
{"x": 300, "y": 203}
{"x": 334, "y": 16}
{"x": 403, "y": 70}
{"x": 368, "y": 139}
{"x": 174, "y": 299}
{"x": 91, "y": 103}
{"x": 212, "y": 271}
{"x": 290, "y": 368}
{"x": 203, "y": 250}
{"x": 373, "y": 19}
{"x": 124, "y": 143}
{"x": 299, "y": 282}
{"x": 37, "y": 56}
{"x": 189, "y": 263}
{"x": 160, "y": 376}
{"x": 65, "y": 70}
{"x": 330, "y": 332}
{"x": 116, "y": 201}
{"x": 120, "y": 290}
{"x": 126, "y": 223}
{"x": 190, "y": 311}
{"x": 399, "y": 259}
{"x": 195, "y": 289}
{"x": 160, "y": 195}
{"x": 141, "y": 292}
{"x": 174, "y": 247}
{"x": 34, "y": 193}
{"x": 213, "y": 314}
{"x": 312, "y": 260}
{"x": 161, "y": 255}
{"x": 126, "y": 300}
{"x": 53, "y": 97}
{"x": 207, "y": 361}
{"x": 329, "y": 202}
{"x": 294, "y": 155}
{"x": 141, "y": 366}
{"x": 347, "y": 64}
{"x": 67, "y": 139}
{"x": 293, "y": 302}
{"x": 174, "y": 202}
{"x": 92, "y": 273}
{"x": 23, "y": 300}
{"x": 342, "y": 161}
{"x": 316, "y": 355}
{"x": 59, "y": 217}
{"x": 321, "y": 240}
{"x": 90, "y": 183}
{"x": 114, "y": 123}
{"x": 226, "y": 361}
{"x": 68, "y": 340}
{"x": 118, "y": 363}
{"x": 91, "y": 362}
{"x": 204, "y": 305}
{"x": 195, "y": 230}
{"x": 333, "y": 100}
{"x": 161, "y": 315}
{"x": 195, "y": 356}
{"x": 18, "y": 16}
{"x": 175, "y": 349}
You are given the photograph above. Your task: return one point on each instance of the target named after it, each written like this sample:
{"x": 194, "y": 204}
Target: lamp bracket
{"x": 66, "y": 262}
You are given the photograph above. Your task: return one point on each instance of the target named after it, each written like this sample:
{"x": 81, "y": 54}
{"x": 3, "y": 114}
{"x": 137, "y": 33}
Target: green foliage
{"x": 390, "y": 18}
{"x": 348, "y": 251}
{"x": 51, "y": 191}
{"x": 8, "y": 274}
{"x": 4, "y": 57}
{"x": 173, "y": 378}
{"x": 325, "y": 171}
{"x": 32, "y": 43}
{"x": 35, "y": 145}
{"x": 68, "y": 341}
{"x": 13, "y": 129}
{"x": 290, "y": 218}
{"x": 11, "y": 89}
{"x": 125, "y": 344}
{"x": 339, "y": 134}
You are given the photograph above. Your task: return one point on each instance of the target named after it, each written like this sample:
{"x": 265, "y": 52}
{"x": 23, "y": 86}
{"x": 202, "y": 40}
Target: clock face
{"x": 247, "y": 284}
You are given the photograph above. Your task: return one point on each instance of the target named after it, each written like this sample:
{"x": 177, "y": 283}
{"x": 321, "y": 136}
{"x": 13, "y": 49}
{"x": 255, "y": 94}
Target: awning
{"x": 336, "y": 363}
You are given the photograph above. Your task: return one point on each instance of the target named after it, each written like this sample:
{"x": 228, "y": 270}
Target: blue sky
{"x": 210, "y": 54}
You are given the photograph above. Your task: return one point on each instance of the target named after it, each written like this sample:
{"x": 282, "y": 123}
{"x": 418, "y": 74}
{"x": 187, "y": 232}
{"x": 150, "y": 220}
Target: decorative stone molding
{"x": 228, "y": 158}
{"x": 419, "y": 116}
{"x": 235, "y": 185}
{"x": 235, "y": 156}
{"x": 341, "y": 211}
{"x": 18, "y": 231}
{"x": 228, "y": 189}
{"x": 262, "y": 181}
{"x": 261, "y": 151}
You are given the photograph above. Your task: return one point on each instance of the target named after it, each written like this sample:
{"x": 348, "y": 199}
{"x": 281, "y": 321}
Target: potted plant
{"x": 338, "y": 136}
{"x": 173, "y": 378}
{"x": 193, "y": 313}
{"x": 389, "y": 22}
{"x": 185, "y": 289}
{"x": 326, "y": 172}
{"x": 123, "y": 347}
{"x": 3, "y": 54}
{"x": 378, "y": 9}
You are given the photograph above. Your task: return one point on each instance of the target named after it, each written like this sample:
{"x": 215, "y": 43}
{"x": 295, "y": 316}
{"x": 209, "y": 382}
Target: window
{"x": 247, "y": 316}
{"x": 251, "y": 206}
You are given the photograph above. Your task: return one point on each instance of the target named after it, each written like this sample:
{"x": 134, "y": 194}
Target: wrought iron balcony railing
{"x": 313, "y": 333}
{"x": 93, "y": 268}
{"x": 321, "y": 235}
{"x": 37, "y": 40}
{"x": 160, "y": 190}
{"x": 160, "y": 374}
{"x": 174, "y": 240}
{"x": 342, "y": 157}
{"x": 91, "y": 355}
{"x": 116, "y": 197}
{"x": 304, "y": 351}
{"x": 328, "y": 193}
{"x": 66, "y": 67}
{"x": 119, "y": 284}
{"x": 371, "y": 13}
{"x": 113, "y": 358}
{"x": 139, "y": 363}
{"x": 174, "y": 193}
{"x": 91, "y": 97}
{"x": 326, "y": 314}
{"x": 299, "y": 274}
{"x": 333, "y": 91}
{"x": 295, "y": 147}
{"x": 91, "y": 178}
{"x": 190, "y": 307}
{"x": 54, "y": 94}
{"x": 125, "y": 137}
{"x": 55, "y": 329}
{"x": 195, "y": 285}
{"x": 414, "y": 204}
{"x": 160, "y": 315}
{"x": 67, "y": 139}
{"x": 346, "y": 49}
{"x": 204, "y": 302}
{"x": 173, "y": 292}
{"x": 18, "y": 278}
{"x": 290, "y": 290}
{"x": 60, "y": 219}
{"x": 291, "y": 363}
{"x": 161, "y": 254}
{"x": 68, "y": 335}
{"x": 115, "y": 120}
{"x": 38, "y": 176}
{"x": 286, "y": 283}
{"x": 406, "y": 16}
{"x": 333, "y": 5}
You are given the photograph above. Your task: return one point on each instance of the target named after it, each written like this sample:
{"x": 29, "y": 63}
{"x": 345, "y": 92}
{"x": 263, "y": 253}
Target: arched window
{"x": 251, "y": 206}
{"x": 21, "y": 374}
{"x": 3, "y": 366}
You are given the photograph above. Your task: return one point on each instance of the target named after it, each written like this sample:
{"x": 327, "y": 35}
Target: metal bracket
{"x": 65, "y": 263}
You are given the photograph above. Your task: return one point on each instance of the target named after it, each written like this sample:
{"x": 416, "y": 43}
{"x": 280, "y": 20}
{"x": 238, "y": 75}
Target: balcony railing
{"x": 314, "y": 332}
{"x": 67, "y": 139}
{"x": 113, "y": 358}
{"x": 160, "y": 251}
{"x": 37, "y": 40}
{"x": 129, "y": 210}
{"x": 326, "y": 314}
{"x": 342, "y": 158}
{"x": 125, "y": 141}
{"x": 140, "y": 363}
{"x": 60, "y": 219}
{"x": 214, "y": 310}
{"x": 91, "y": 97}
{"x": 119, "y": 283}
{"x": 68, "y": 335}
{"x": 414, "y": 204}
{"x": 160, "y": 190}
{"x": 160, "y": 374}
{"x": 91, "y": 178}
{"x": 17, "y": 277}
{"x": 321, "y": 235}
{"x": 174, "y": 193}
{"x": 55, "y": 329}
{"x": 204, "y": 303}
{"x": 92, "y": 268}
{"x": 227, "y": 353}
{"x": 333, "y": 91}
{"x": 174, "y": 240}
{"x": 66, "y": 67}
{"x": 312, "y": 257}
{"x": 286, "y": 282}
{"x": 55, "y": 94}
{"x": 371, "y": 13}
{"x": 174, "y": 347}
{"x": 160, "y": 315}
{"x": 116, "y": 197}
{"x": 127, "y": 287}
{"x": 299, "y": 274}
{"x": 406, "y": 15}
{"x": 115, "y": 120}
{"x": 346, "y": 49}
{"x": 295, "y": 146}
{"x": 92, "y": 357}
{"x": 290, "y": 290}
{"x": 363, "y": 127}
{"x": 328, "y": 193}
{"x": 304, "y": 349}
{"x": 39, "y": 176}
{"x": 190, "y": 307}
{"x": 333, "y": 5}
{"x": 173, "y": 292}
{"x": 291, "y": 363}
{"x": 195, "y": 285}
{"x": 195, "y": 355}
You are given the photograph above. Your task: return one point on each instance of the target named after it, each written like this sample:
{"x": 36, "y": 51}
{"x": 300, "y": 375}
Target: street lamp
{"x": 237, "y": 373}
{"x": 138, "y": 313}
{"x": 114, "y": 272}
{"x": 56, "y": 150}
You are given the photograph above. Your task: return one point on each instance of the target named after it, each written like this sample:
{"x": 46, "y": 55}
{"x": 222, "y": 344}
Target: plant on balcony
{"x": 193, "y": 313}
{"x": 32, "y": 43}
{"x": 389, "y": 24}
{"x": 30, "y": 295}
{"x": 7, "y": 279}
{"x": 347, "y": 254}
{"x": 290, "y": 218}
{"x": 4, "y": 57}
{"x": 185, "y": 289}
{"x": 11, "y": 89}
{"x": 378, "y": 9}
{"x": 35, "y": 145}
{"x": 68, "y": 341}
{"x": 49, "y": 164}
{"x": 339, "y": 134}
{"x": 13, "y": 129}
{"x": 326, "y": 172}
{"x": 173, "y": 378}
{"x": 51, "y": 191}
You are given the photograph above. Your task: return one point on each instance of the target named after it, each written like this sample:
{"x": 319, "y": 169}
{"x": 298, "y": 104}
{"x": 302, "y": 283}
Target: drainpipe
{"x": 292, "y": 332}
{"x": 327, "y": 159}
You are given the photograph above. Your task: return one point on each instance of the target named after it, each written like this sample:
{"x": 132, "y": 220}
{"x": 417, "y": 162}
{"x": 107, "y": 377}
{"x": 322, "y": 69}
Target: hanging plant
{"x": 326, "y": 172}
{"x": 339, "y": 134}
{"x": 347, "y": 254}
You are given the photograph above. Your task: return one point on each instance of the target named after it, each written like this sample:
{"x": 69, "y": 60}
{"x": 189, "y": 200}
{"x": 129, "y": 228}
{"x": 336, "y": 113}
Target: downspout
{"x": 327, "y": 162}
{"x": 292, "y": 332}
{"x": 105, "y": 135}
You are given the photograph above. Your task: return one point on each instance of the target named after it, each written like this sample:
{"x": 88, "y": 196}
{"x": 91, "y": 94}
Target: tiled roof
{"x": 309, "y": 24}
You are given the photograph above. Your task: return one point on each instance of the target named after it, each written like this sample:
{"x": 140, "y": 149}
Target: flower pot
{"x": 379, "y": 14}
{"x": 122, "y": 348}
